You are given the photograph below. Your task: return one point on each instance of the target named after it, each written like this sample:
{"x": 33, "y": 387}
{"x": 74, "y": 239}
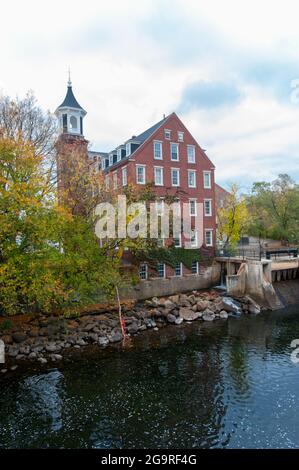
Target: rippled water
{"x": 226, "y": 384}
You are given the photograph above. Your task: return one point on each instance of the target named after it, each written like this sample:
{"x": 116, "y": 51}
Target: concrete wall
{"x": 157, "y": 287}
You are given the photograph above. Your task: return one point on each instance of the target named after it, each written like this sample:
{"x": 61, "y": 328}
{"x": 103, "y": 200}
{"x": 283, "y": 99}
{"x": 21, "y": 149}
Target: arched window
{"x": 73, "y": 122}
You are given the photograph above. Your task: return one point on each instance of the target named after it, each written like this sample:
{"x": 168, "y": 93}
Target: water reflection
{"x": 225, "y": 384}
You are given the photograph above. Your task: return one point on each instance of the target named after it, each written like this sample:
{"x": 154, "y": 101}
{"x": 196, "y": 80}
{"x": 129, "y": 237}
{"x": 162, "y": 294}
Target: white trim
{"x": 167, "y": 130}
{"x": 197, "y": 266}
{"x": 194, "y": 155}
{"x": 195, "y": 201}
{"x": 161, "y": 149}
{"x": 162, "y": 175}
{"x": 144, "y": 176}
{"x": 210, "y": 179}
{"x": 179, "y": 177}
{"x": 210, "y": 230}
{"x": 181, "y": 270}
{"x": 128, "y": 149}
{"x": 178, "y": 153}
{"x": 124, "y": 171}
{"x": 146, "y": 272}
{"x": 180, "y": 133}
{"x": 192, "y": 171}
{"x": 178, "y": 238}
{"x": 211, "y": 209}
{"x": 194, "y": 244}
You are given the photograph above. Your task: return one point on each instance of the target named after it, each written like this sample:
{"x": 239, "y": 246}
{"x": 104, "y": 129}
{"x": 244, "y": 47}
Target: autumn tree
{"x": 274, "y": 209}
{"x": 232, "y": 219}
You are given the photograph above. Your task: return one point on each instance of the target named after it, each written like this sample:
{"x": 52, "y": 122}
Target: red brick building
{"x": 166, "y": 155}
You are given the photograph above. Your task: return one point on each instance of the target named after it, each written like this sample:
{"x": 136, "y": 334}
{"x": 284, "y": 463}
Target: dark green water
{"x": 227, "y": 384}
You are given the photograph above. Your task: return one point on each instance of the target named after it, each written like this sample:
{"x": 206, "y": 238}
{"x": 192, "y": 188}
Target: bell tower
{"x": 70, "y": 114}
{"x": 71, "y": 145}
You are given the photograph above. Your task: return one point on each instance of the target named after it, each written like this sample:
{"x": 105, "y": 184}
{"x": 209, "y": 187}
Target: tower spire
{"x": 69, "y": 83}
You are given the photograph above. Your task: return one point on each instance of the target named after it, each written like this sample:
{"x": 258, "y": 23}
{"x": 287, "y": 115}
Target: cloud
{"x": 209, "y": 95}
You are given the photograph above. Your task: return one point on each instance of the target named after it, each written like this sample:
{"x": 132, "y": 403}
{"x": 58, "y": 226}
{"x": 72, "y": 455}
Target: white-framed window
{"x": 177, "y": 241}
{"x": 208, "y": 207}
{"x": 193, "y": 239}
{"x": 160, "y": 207}
{"x": 161, "y": 269}
{"x": 178, "y": 269}
{"x": 180, "y": 136}
{"x": 128, "y": 149}
{"x": 191, "y": 153}
{"x": 209, "y": 237}
{"x": 192, "y": 207}
{"x": 207, "y": 181}
{"x": 107, "y": 181}
{"x": 119, "y": 154}
{"x": 194, "y": 267}
{"x": 158, "y": 150}
{"x": 140, "y": 174}
{"x": 192, "y": 178}
{"x": 158, "y": 173}
{"x": 174, "y": 152}
{"x": 143, "y": 271}
{"x": 167, "y": 134}
{"x": 110, "y": 159}
{"x": 124, "y": 176}
{"x": 115, "y": 180}
{"x": 175, "y": 177}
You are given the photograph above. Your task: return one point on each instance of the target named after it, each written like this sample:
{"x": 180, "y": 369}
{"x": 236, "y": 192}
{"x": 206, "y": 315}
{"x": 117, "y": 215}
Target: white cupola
{"x": 70, "y": 114}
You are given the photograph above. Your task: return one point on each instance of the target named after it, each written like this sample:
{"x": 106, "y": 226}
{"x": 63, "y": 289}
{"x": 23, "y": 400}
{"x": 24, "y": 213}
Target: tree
{"x": 49, "y": 258}
{"x": 232, "y": 219}
{"x": 274, "y": 209}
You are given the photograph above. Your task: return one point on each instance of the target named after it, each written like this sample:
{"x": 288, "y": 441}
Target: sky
{"x": 230, "y": 70}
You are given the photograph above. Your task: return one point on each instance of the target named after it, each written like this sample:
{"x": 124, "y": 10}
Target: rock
{"x": 103, "y": 341}
{"x": 52, "y": 347}
{"x": 230, "y": 305}
{"x": 3, "y": 371}
{"x": 19, "y": 357}
{"x": 184, "y": 301}
{"x": 13, "y": 352}
{"x": 88, "y": 327}
{"x": 169, "y": 305}
{"x": 25, "y": 350}
{"x": 187, "y": 314}
{"x": 178, "y": 320}
{"x": 80, "y": 342}
{"x": 115, "y": 337}
{"x": 32, "y": 355}
{"x": 77, "y": 346}
{"x": 202, "y": 305}
{"x": 142, "y": 328}
{"x": 171, "y": 318}
{"x": 208, "y": 315}
{"x": 94, "y": 337}
{"x": 7, "y": 339}
{"x": 56, "y": 357}
{"x": 156, "y": 328}
{"x": 255, "y": 310}
{"x": 42, "y": 360}
{"x": 19, "y": 337}
{"x": 33, "y": 332}
{"x": 14, "y": 367}
{"x": 175, "y": 299}
{"x": 133, "y": 328}
{"x": 223, "y": 314}
{"x": 192, "y": 299}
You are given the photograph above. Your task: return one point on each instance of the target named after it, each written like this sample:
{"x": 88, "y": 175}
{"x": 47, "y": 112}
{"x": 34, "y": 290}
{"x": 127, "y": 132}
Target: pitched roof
{"x": 146, "y": 134}
{"x": 70, "y": 100}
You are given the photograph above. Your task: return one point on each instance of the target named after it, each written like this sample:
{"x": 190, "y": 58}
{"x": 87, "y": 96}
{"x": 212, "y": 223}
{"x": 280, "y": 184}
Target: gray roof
{"x": 144, "y": 135}
{"x": 70, "y": 100}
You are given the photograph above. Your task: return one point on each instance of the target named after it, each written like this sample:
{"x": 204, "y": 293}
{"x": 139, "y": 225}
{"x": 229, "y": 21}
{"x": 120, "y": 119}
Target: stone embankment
{"x": 47, "y": 339}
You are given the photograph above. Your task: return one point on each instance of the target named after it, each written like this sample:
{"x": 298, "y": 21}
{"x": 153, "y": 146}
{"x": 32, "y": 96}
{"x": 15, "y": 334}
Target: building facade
{"x": 168, "y": 157}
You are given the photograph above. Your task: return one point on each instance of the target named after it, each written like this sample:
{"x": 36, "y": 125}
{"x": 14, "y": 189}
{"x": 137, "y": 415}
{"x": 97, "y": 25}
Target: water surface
{"x": 226, "y": 384}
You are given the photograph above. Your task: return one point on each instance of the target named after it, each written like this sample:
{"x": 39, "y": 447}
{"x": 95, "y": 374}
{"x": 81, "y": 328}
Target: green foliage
{"x": 274, "y": 209}
{"x": 172, "y": 255}
{"x": 5, "y": 325}
{"x": 49, "y": 258}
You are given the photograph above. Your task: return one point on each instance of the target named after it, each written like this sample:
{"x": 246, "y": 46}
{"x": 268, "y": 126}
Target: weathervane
{"x": 69, "y": 81}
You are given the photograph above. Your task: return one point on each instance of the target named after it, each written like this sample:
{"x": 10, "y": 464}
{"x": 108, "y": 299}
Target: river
{"x": 226, "y": 384}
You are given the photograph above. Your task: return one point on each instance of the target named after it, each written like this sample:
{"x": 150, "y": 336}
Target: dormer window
{"x": 111, "y": 159}
{"x": 128, "y": 149}
{"x": 167, "y": 134}
{"x": 119, "y": 154}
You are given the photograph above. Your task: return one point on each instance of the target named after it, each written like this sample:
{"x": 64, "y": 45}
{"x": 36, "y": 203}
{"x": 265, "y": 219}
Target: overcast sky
{"x": 224, "y": 66}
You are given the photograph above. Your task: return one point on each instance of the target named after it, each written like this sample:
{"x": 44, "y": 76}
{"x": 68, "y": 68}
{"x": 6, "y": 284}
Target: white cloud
{"x": 132, "y": 61}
